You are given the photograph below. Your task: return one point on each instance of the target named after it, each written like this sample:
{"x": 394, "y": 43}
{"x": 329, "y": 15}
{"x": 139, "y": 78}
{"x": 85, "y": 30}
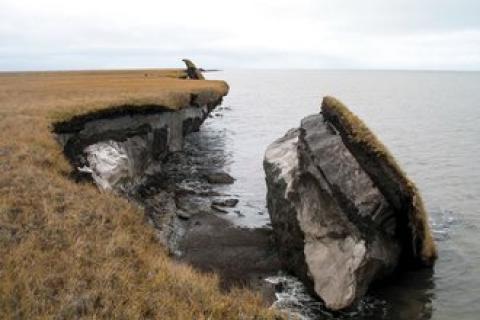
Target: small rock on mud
{"x": 225, "y": 203}
{"x": 239, "y": 213}
{"x": 219, "y": 178}
{"x": 183, "y": 214}
{"x": 218, "y": 209}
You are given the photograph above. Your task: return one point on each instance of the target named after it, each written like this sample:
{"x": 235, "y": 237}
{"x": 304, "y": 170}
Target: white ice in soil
{"x": 118, "y": 165}
{"x": 283, "y": 154}
{"x": 109, "y": 164}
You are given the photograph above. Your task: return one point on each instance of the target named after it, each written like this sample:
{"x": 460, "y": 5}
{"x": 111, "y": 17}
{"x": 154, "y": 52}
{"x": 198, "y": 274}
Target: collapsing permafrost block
{"x": 343, "y": 213}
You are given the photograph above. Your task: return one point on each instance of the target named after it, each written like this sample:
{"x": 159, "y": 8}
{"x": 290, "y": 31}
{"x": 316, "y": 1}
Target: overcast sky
{"x": 333, "y": 34}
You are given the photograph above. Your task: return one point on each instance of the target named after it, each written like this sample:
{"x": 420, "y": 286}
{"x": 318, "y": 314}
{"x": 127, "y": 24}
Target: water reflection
{"x": 408, "y": 295}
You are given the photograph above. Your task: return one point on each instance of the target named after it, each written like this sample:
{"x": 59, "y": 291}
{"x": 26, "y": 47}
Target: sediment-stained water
{"x": 431, "y": 123}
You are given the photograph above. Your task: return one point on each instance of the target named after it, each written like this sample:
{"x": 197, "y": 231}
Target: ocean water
{"x": 429, "y": 120}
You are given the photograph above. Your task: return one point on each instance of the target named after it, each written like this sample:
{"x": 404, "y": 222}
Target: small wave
{"x": 293, "y": 299}
{"x": 441, "y": 221}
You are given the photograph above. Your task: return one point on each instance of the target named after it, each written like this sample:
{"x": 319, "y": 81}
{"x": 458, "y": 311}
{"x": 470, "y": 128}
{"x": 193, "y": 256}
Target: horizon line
{"x": 207, "y": 70}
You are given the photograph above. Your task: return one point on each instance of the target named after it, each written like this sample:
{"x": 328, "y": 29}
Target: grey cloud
{"x": 437, "y": 34}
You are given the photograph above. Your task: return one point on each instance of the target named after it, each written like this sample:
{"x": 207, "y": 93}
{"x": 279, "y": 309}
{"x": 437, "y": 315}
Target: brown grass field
{"x": 67, "y": 250}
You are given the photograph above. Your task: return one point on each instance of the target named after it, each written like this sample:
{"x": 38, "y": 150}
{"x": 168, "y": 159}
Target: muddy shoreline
{"x": 200, "y": 233}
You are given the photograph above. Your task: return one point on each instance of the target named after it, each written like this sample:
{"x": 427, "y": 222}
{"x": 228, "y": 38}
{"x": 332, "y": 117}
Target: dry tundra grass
{"x": 66, "y": 249}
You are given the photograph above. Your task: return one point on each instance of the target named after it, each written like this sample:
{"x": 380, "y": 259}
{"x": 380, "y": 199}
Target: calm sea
{"x": 429, "y": 120}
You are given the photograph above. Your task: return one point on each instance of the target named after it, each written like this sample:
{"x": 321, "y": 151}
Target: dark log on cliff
{"x": 192, "y": 71}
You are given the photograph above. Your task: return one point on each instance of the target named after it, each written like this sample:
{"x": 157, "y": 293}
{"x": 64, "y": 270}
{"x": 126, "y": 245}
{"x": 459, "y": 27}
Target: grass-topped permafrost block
{"x": 343, "y": 213}
{"x": 394, "y": 184}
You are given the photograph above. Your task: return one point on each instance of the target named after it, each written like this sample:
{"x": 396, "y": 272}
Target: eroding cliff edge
{"x": 153, "y": 156}
{"x": 343, "y": 213}
{"x": 120, "y": 148}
